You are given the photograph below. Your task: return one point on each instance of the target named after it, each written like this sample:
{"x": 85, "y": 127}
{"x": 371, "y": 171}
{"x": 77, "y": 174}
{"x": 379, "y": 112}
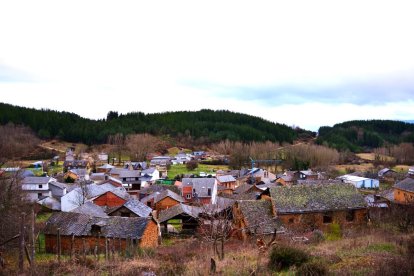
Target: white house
{"x": 149, "y": 176}
{"x": 37, "y": 188}
{"x": 360, "y": 182}
{"x": 181, "y": 158}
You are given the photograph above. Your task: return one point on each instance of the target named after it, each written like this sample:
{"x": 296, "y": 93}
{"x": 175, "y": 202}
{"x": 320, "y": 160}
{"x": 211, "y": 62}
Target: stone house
{"x": 77, "y": 230}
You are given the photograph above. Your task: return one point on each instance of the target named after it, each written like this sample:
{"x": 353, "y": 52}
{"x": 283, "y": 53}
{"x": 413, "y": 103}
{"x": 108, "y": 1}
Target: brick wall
{"x": 402, "y": 196}
{"x": 109, "y": 199}
{"x": 165, "y": 204}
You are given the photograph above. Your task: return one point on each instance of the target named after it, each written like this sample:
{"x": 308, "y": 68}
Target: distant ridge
{"x": 205, "y": 125}
{"x": 361, "y": 135}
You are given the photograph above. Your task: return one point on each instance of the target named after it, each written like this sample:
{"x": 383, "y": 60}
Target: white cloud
{"x": 137, "y": 56}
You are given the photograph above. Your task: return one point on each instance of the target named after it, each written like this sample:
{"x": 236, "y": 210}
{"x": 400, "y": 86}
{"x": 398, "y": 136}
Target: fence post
{"x": 72, "y": 245}
{"x": 59, "y": 250}
{"x": 33, "y": 252}
{"x": 84, "y": 250}
{"x": 21, "y": 244}
{"x": 106, "y": 249}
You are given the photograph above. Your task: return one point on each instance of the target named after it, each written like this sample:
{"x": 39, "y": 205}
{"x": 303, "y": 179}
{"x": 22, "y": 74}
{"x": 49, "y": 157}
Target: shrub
{"x": 317, "y": 236}
{"x": 191, "y": 165}
{"x": 334, "y": 232}
{"x": 313, "y": 268}
{"x": 283, "y": 257}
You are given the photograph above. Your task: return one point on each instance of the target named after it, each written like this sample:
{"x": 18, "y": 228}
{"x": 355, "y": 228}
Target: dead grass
{"x": 359, "y": 252}
{"x": 371, "y": 157}
{"x": 359, "y": 168}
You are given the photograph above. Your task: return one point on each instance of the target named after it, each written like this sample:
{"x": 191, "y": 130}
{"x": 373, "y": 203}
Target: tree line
{"x": 361, "y": 135}
{"x": 204, "y": 126}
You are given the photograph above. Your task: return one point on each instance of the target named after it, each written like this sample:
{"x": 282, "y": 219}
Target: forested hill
{"x": 359, "y": 135}
{"x": 207, "y": 125}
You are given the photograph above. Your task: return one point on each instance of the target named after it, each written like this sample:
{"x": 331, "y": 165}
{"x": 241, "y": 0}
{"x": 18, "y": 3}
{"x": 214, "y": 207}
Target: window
{"x": 39, "y": 195}
{"x": 327, "y": 218}
{"x": 291, "y": 220}
{"x": 95, "y": 229}
{"x": 40, "y": 186}
{"x": 350, "y": 216}
{"x": 209, "y": 192}
{"x": 188, "y": 196}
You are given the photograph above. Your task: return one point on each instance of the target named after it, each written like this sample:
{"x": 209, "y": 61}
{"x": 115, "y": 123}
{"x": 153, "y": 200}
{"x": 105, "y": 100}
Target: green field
{"x": 208, "y": 169}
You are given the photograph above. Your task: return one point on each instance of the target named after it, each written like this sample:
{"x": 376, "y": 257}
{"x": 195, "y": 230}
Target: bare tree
{"x": 83, "y": 193}
{"x": 140, "y": 145}
{"x": 12, "y": 202}
{"x": 15, "y": 142}
{"x": 118, "y": 140}
{"x": 215, "y": 228}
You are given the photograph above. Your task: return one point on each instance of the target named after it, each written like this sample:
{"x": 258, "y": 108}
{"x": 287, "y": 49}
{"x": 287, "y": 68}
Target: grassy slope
{"x": 181, "y": 169}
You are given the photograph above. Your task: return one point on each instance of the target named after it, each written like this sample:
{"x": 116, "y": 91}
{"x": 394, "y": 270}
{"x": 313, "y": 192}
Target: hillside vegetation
{"x": 206, "y": 126}
{"x": 358, "y": 136}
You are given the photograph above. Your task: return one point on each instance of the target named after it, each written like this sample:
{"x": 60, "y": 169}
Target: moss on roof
{"x": 312, "y": 198}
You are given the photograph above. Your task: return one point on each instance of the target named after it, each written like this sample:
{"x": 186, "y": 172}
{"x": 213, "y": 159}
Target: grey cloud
{"x": 371, "y": 91}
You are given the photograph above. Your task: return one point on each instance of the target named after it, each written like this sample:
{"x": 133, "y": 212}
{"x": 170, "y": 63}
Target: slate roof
{"x": 59, "y": 185}
{"x": 406, "y": 184}
{"x": 149, "y": 197}
{"x": 36, "y": 180}
{"x": 90, "y": 209}
{"x": 129, "y": 173}
{"x": 148, "y": 171}
{"x": 258, "y": 216}
{"x": 168, "y": 193}
{"x": 179, "y": 209}
{"x": 94, "y": 190}
{"x": 299, "y": 199}
{"x": 116, "y": 170}
{"x": 50, "y": 203}
{"x": 384, "y": 171}
{"x": 201, "y": 185}
{"x": 79, "y": 172}
{"x": 97, "y": 176}
{"x": 137, "y": 207}
{"x": 243, "y": 188}
{"x": 225, "y": 178}
{"x": 106, "y": 166}
{"x": 159, "y": 188}
{"x": 81, "y": 224}
{"x": 319, "y": 182}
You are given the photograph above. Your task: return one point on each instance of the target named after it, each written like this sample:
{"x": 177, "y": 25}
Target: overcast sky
{"x": 305, "y": 63}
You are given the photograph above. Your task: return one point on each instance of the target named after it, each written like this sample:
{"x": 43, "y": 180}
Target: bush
{"x": 334, "y": 232}
{"x": 283, "y": 257}
{"x": 317, "y": 236}
{"x": 191, "y": 165}
{"x": 313, "y": 268}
